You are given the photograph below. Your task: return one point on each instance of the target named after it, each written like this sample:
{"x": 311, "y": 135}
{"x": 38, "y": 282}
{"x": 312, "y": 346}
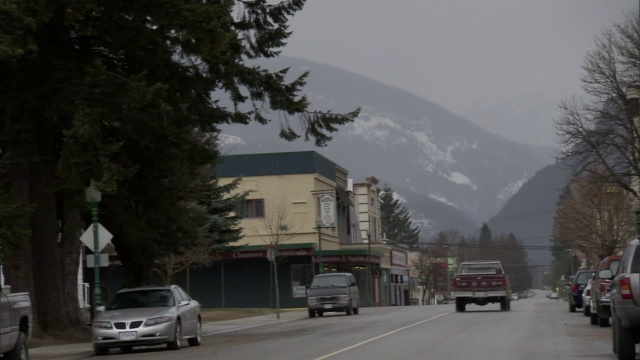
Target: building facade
{"x": 302, "y": 216}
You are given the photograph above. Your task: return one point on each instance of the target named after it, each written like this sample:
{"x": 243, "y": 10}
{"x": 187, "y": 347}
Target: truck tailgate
{"x": 480, "y": 283}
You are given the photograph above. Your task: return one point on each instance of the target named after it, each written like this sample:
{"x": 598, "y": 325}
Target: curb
{"x": 85, "y": 350}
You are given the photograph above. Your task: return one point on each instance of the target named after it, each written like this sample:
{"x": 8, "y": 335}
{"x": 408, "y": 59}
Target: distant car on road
{"x": 150, "y": 315}
{"x": 333, "y": 292}
{"x": 481, "y": 282}
{"x": 578, "y": 283}
{"x": 553, "y": 295}
{"x": 514, "y": 297}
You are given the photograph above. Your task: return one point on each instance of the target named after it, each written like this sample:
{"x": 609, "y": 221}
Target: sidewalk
{"x": 84, "y": 350}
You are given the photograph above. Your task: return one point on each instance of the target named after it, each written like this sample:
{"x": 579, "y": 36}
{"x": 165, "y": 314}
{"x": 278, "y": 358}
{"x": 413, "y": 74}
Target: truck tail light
{"x": 625, "y": 288}
{"x": 603, "y": 286}
{"x": 454, "y": 284}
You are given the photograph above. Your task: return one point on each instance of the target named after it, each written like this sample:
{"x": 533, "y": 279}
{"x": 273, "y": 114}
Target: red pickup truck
{"x": 481, "y": 282}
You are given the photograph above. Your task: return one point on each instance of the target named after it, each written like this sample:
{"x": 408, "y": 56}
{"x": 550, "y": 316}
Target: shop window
{"x": 301, "y": 277}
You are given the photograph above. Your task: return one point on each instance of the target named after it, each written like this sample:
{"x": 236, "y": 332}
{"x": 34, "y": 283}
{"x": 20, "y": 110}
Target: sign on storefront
{"x": 299, "y": 291}
{"x": 327, "y": 210}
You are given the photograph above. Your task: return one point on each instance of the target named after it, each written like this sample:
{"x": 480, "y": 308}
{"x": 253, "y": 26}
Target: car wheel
{"x": 320, "y": 313}
{"x": 460, "y": 305}
{"x": 197, "y": 340}
{"x": 99, "y": 350}
{"x": 572, "y": 308}
{"x": 175, "y": 344}
{"x": 356, "y": 311}
{"x": 593, "y": 318}
{"x": 504, "y": 304}
{"x": 312, "y": 313}
{"x": 603, "y": 322}
{"x": 613, "y": 337}
{"x": 624, "y": 344}
{"x": 349, "y": 310}
{"x": 586, "y": 311}
{"x": 20, "y": 349}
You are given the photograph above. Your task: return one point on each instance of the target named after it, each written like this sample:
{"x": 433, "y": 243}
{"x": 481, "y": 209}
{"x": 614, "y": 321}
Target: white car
{"x": 150, "y": 315}
{"x": 553, "y": 295}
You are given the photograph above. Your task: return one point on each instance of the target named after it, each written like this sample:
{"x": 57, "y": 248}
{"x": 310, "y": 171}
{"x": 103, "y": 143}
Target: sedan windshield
{"x": 141, "y": 298}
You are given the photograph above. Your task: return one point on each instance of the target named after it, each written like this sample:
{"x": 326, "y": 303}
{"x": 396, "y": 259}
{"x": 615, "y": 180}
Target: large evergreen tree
{"x": 485, "y": 235}
{"x": 129, "y": 94}
{"x": 396, "y": 220}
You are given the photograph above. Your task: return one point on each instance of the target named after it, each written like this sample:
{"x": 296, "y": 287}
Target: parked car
{"x": 150, "y": 315}
{"x": 586, "y": 298}
{"x": 514, "y": 297}
{"x": 601, "y": 309}
{"x": 579, "y": 281}
{"x": 333, "y": 292}
{"x": 16, "y": 324}
{"x": 553, "y": 295}
{"x": 625, "y": 297}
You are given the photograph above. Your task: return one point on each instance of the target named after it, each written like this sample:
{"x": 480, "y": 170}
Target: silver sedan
{"x": 150, "y": 315}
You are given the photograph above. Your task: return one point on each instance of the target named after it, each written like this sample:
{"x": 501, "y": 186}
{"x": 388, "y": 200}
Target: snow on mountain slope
{"x": 412, "y": 144}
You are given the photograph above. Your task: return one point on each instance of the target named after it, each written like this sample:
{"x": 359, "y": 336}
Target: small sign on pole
{"x": 104, "y": 260}
{"x": 104, "y": 237}
{"x": 271, "y": 254}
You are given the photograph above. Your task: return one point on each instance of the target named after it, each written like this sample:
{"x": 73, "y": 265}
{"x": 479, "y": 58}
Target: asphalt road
{"x": 535, "y": 328}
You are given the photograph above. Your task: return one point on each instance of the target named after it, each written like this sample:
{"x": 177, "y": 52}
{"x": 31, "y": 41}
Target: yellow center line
{"x": 379, "y": 337}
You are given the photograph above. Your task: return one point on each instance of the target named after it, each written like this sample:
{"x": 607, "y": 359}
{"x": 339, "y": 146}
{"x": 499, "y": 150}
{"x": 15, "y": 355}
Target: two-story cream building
{"x": 303, "y": 212}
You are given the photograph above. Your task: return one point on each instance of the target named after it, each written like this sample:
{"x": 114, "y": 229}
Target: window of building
{"x": 251, "y": 208}
{"x": 301, "y": 277}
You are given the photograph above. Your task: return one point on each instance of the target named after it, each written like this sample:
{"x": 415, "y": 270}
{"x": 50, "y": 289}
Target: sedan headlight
{"x": 158, "y": 320}
{"x": 343, "y": 298}
{"x": 102, "y": 325}
{"x": 311, "y": 300}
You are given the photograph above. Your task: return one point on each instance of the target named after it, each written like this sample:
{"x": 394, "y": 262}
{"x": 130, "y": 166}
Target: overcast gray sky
{"x": 478, "y": 58}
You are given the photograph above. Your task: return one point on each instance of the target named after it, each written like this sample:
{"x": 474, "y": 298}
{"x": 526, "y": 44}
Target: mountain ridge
{"x": 412, "y": 144}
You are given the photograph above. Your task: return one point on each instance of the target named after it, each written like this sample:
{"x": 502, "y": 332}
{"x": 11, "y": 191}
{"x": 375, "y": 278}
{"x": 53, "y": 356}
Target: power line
{"x": 487, "y": 246}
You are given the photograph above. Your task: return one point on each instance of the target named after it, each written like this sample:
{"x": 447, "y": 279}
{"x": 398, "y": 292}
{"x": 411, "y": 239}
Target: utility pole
{"x": 319, "y": 227}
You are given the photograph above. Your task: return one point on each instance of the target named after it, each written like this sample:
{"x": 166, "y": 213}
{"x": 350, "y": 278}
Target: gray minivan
{"x": 333, "y": 292}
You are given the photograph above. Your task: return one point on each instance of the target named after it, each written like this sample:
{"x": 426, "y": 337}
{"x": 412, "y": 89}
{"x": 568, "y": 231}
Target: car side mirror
{"x": 605, "y": 274}
{"x": 184, "y": 302}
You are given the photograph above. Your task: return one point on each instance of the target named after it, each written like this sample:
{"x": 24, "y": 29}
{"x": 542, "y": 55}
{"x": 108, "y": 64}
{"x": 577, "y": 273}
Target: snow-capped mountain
{"x": 453, "y": 173}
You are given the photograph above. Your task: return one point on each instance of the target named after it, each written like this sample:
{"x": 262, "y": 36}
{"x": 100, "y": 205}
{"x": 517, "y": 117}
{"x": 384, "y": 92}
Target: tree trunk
{"x": 275, "y": 275}
{"x": 48, "y": 280}
{"x": 18, "y": 267}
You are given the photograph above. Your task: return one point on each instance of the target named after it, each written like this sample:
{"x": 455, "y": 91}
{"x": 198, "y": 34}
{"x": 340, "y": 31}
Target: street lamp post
{"x": 571, "y": 255}
{"x": 369, "y": 273}
{"x": 319, "y": 227}
{"x": 446, "y": 248}
{"x": 93, "y": 197}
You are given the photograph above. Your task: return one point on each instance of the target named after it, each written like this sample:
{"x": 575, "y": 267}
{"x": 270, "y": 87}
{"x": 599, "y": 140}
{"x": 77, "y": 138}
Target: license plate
{"x": 128, "y": 335}
{"x": 328, "y": 306}
{"x": 480, "y": 294}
